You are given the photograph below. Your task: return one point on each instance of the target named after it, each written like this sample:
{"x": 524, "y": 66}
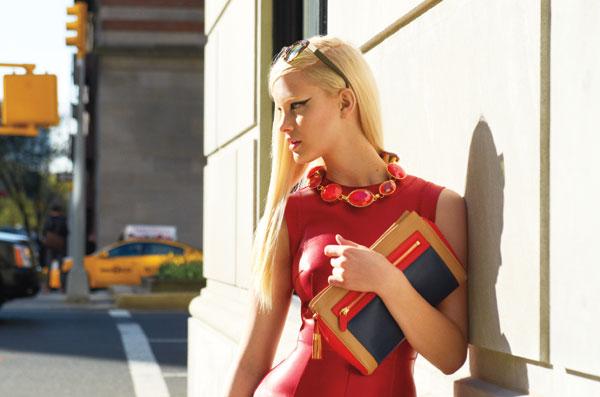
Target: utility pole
{"x": 77, "y": 283}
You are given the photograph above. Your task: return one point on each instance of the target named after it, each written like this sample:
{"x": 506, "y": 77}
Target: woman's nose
{"x": 286, "y": 123}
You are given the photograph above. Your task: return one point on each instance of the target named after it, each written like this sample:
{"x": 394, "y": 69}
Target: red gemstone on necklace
{"x": 387, "y": 188}
{"x": 331, "y": 192}
{"x": 396, "y": 171}
{"x": 360, "y": 197}
{"x": 315, "y": 176}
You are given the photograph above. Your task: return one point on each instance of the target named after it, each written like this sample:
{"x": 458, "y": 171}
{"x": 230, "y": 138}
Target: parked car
{"x": 33, "y": 240}
{"x": 126, "y": 262}
{"x": 18, "y": 276}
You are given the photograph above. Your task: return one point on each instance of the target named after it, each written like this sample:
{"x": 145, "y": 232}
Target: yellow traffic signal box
{"x": 30, "y": 99}
{"x": 79, "y": 26}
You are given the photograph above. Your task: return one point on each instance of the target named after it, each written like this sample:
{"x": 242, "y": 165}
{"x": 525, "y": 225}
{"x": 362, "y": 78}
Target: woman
{"x": 327, "y": 112}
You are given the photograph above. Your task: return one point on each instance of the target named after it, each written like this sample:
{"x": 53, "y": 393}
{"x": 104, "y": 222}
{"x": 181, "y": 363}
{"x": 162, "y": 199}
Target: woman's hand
{"x": 356, "y": 267}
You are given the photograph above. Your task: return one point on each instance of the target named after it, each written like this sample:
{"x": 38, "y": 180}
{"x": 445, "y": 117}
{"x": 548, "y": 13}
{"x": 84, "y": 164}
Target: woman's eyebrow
{"x": 287, "y": 100}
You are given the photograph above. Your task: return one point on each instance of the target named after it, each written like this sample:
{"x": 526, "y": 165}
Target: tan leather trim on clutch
{"x": 407, "y": 224}
{"x": 322, "y": 304}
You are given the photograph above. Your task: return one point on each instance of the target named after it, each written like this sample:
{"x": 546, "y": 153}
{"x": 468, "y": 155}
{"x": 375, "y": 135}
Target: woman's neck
{"x": 355, "y": 162}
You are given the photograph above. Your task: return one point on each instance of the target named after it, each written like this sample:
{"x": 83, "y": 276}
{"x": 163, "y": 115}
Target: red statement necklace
{"x": 360, "y": 197}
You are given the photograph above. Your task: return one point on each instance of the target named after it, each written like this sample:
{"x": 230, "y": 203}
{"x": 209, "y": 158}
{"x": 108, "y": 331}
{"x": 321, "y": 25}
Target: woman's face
{"x": 306, "y": 115}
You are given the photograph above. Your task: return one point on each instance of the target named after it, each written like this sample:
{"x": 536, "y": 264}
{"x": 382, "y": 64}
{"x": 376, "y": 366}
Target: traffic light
{"x": 79, "y": 26}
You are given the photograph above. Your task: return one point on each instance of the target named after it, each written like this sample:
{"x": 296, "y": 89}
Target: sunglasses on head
{"x": 290, "y": 52}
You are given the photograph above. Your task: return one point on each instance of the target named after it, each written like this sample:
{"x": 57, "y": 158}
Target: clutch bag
{"x": 357, "y": 325}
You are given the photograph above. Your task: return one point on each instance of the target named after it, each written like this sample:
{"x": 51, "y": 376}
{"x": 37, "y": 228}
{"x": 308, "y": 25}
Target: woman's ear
{"x": 347, "y": 102}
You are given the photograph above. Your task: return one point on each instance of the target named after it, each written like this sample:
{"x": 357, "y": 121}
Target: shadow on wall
{"x": 484, "y": 196}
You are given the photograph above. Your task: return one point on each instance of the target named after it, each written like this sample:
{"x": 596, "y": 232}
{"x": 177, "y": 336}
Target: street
{"x": 53, "y": 348}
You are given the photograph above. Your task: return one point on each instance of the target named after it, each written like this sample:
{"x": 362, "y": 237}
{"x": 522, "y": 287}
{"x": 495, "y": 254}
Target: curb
{"x": 155, "y": 301}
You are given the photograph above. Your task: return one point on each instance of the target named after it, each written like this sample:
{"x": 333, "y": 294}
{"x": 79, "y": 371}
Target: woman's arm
{"x": 258, "y": 347}
{"x": 439, "y": 334}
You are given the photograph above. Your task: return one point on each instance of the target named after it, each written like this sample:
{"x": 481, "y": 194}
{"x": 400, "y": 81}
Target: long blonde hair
{"x": 285, "y": 173}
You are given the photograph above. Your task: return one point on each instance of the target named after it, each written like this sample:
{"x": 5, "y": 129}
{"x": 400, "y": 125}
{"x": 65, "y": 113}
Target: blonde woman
{"x": 327, "y": 112}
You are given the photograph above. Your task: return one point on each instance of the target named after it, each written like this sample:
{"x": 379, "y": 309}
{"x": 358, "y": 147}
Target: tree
{"x": 24, "y": 172}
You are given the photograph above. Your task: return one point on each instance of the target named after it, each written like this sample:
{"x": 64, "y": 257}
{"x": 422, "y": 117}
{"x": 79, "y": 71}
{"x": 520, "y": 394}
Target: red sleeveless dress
{"x": 312, "y": 224}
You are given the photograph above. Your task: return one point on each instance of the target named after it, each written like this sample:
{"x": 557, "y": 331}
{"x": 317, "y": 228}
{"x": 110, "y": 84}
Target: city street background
{"x": 52, "y": 348}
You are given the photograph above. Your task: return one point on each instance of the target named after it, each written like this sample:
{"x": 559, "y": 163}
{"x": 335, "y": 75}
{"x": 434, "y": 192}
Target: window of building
{"x": 315, "y": 18}
{"x": 297, "y": 19}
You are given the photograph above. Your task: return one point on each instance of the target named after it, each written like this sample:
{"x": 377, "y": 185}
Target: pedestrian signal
{"x": 30, "y": 99}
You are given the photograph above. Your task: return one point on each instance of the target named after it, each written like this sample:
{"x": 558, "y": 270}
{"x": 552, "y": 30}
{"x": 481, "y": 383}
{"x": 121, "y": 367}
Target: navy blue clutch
{"x": 357, "y": 325}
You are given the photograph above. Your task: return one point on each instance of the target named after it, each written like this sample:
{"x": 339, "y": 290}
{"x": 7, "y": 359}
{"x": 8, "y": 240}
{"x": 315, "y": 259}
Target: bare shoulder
{"x": 451, "y": 219}
{"x": 449, "y": 203}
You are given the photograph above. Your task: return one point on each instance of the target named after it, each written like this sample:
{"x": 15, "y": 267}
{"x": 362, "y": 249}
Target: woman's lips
{"x": 294, "y": 143}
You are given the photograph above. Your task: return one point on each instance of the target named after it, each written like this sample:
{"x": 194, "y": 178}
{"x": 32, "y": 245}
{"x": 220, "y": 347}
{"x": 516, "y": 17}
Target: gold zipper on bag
{"x": 346, "y": 309}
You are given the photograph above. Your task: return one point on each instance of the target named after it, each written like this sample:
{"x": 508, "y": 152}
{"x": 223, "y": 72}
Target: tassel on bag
{"x": 317, "y": 352}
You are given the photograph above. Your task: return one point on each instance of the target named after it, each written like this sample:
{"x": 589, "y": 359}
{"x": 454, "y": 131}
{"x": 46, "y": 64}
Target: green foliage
{"x": 24, "y": 176}
{"x": 9, "y": 213}
{"x": 187, "y": 271}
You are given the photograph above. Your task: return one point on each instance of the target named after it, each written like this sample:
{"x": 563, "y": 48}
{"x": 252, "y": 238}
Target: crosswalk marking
{"x": 146, "y": 375}
{"x": 119, "y": 313}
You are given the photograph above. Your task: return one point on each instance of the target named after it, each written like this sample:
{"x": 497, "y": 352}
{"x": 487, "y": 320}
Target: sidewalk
{"x": 100, "y": 300}
{"x": 118, "y": 296}
{"x": 137, "y": 297}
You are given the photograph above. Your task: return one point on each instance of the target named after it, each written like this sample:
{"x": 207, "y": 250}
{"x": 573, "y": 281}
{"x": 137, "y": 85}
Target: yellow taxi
{"x": 126, "y": 262}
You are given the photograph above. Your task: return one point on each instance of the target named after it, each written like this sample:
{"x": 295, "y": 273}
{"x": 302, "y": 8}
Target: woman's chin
{"x": 298, "y": 159}
{"x": 301, "y": 159}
